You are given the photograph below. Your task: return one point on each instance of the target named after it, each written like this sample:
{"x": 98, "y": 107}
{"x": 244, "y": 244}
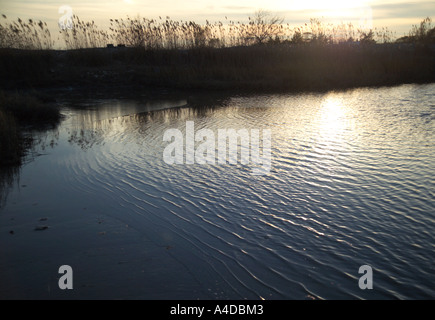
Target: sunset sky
{"x": 397, "y": 15}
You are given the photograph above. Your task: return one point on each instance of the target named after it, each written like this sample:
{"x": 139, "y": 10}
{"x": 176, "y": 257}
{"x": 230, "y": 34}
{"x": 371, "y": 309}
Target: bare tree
{"x": 264, "y": 26}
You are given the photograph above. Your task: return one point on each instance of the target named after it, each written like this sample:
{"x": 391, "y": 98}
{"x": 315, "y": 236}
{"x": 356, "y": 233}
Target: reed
{"x": 84, "y": 34}
{"x": 18, "y": 111}
{"x": 24, "y": 35}
{"x": 422, "y": 34}
{"x": 11, "y": 148}
{"x": 28, "y": 110}
{"x": 165, "y": 33}
{"x": 263, "y": 53}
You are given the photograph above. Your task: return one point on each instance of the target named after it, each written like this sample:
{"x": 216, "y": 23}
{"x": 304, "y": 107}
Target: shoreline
{"x": 259, "y": 69}
{"x": 34, "y": 79}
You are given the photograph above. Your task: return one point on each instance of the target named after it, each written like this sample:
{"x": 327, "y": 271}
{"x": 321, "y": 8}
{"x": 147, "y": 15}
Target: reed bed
{"x": 25, "y": 34}
{"x": 165, "y": 33}
{"x": 18, "y": 111}
{"x": 28, "y": 109}
{"x": 84, "y": 35}
{"x": 10, "y": 140}
{"x": 262, "y": 53}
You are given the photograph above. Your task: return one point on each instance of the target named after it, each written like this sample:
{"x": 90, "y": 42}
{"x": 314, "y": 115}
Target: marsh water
{"x": 351, "y": 184}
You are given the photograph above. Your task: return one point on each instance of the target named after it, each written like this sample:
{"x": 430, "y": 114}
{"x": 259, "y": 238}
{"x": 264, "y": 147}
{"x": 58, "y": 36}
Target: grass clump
{"x": 28, "y": 110}
{"x": 19, "y": 111}
{"x": 20, "y": 34}
{"x": 11, "y": 144}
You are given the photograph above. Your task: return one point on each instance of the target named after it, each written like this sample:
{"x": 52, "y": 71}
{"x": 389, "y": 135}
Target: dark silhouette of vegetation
{"x": 264, "y": 27}
{"x": 164, "y": 33}
{"x": 422, "y": 34}
{"x": 28, "y": 109}
{"x": 25, "y": 35}
{"x": 18, "y": 111}
{"x": 11, "y": 144}
{"x": 269, "y": 66}
{"x": 367, "y": 38}
{"x": 84, "y": 35}
{"x": 263, "y": 54}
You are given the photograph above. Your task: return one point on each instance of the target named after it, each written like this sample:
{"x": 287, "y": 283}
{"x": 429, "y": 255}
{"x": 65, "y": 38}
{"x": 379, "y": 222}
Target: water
{"x": 351, "y": 184}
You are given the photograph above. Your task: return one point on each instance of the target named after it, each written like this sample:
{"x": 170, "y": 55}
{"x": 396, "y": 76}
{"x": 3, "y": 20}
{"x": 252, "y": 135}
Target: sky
{"x": 397, "y": 15}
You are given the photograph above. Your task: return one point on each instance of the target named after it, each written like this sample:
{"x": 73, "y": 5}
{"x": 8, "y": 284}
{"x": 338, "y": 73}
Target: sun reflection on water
{"x": 332, "y": 118}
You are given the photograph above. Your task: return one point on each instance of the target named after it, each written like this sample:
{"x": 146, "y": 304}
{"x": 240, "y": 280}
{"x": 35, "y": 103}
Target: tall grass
{"x": 17, "y": 111}
{"x": 84, "y": 35}
{"x": 27, "y": 109}
{"x": 165, "y": 33}
{"x": 260, "y": 29}
{"x": 24, "y": 35}
{"x": 11, "y": 148}
{"x": 263, "y": 53}
{"x": 420, "y": 34}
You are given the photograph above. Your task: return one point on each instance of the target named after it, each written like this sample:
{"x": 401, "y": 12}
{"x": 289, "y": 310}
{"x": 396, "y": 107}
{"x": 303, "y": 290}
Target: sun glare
{"x": 332, "y": 117}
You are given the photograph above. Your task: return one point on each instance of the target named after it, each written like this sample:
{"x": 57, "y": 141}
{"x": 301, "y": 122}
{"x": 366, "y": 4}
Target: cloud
{"x": 403, "y": 10}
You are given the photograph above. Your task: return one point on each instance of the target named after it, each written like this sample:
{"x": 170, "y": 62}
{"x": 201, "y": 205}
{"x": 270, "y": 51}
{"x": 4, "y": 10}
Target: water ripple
{"x": 351, "y": 184}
